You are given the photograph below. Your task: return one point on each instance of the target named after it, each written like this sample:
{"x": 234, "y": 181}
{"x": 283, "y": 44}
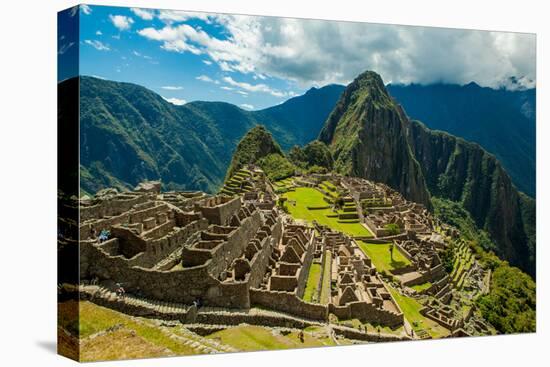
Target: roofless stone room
{"x": 232, "y": 183}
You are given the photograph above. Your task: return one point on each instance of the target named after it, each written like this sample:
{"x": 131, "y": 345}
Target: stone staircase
{"x": 192, "y": 340}
{"x": 136, "y": 306}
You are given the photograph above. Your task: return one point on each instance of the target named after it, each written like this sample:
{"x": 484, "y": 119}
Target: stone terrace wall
{"x": 183, "y": 286}
{"x": 367, "y": 312}
{"x": 159, "y": 248}
{"x": 260, "y": 261}
{"x": 289, "y": 303}
{"x": 111, "y": 207}
{"x": 217, "y": 211}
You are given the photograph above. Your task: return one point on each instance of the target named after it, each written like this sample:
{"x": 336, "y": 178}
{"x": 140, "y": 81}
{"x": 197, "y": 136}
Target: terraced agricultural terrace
{"x": 306, "y": 261}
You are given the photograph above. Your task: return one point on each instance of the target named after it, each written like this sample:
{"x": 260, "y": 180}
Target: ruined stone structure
{"x": 238, "y": 252}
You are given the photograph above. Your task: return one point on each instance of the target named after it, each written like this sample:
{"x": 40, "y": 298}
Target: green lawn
{"x": 421, "y": 287}
{"x": 307, "y": 196}
{"x": 380, "y": 256}
{"x": 148, "y": 339}
{"x": 411, "y": 310}
{"x": 250, "y": 338}
{"x": 325, "y": 286}
{"x": 312, "y": 283}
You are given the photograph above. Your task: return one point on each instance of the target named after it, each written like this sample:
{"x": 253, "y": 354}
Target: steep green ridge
{"x": 371, "y": 137}
{"x": 502, "y": 121}
{"x": 258, "y": 147}
{"x": 366, "y": 133}
{"x": 463, "y": 172}
{"x": 129, "y": 134}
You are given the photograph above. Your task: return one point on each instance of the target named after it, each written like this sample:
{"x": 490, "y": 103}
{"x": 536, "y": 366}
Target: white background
{"x": 28, "y": 181}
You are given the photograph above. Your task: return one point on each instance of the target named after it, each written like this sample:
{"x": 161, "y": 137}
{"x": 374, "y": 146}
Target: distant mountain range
{"x": 129, "y": 134}
{"x": 502, "y": 121}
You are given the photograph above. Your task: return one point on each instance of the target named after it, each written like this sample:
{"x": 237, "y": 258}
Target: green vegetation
{"x": 251, "y": 338}
{"x": 314, "y": 156}
{"x": 312, "y": 283}
{"x": 422, "y": 287}
{"x": 393, "y": 229}
{"x": 276, "y": 167}
{"x": 448, "y": 258}
{"x": 381, "y": 256}
{"x": 510, "y": 305}
{"x": 304, "y": 197}
{"x": 324, "y": 298}
{"x": 93, "y": 319}
{"x": 255, "y": 145}
{"x": 411, "y": 310}
{"x": 130, "y": 133}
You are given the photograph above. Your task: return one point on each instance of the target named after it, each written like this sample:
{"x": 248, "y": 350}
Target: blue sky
{"x": 257, "y": 62}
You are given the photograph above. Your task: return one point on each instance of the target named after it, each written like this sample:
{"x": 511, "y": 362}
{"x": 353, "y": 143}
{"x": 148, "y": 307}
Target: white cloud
{"x": 242, "y": 93}
{"x": 175, "y": 101}
{"x": 226, "y": 88}
{"x": 98, "y": 45}
{"x": 254, "y": 87}
{"x": 122, "y": 22}
{"x": 86, "y": 9}
{"x": 138, "y": 54}
{"x": 207, "y": 62}
{"x": 144, "y": 14}
{"x": 176, "y": 16}
{"x": 314, "y": 52}
{"x": 172, "y": 87}
{"x": 247, "y": 106}
{"x": 98, "y": 33}
{"x": 207, "y": 79}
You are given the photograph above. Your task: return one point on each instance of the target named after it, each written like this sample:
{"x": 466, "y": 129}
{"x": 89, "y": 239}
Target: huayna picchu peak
{"x": 371, "y": 136}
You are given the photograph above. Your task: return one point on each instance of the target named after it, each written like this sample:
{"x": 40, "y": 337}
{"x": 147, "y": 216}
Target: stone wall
{"x": 289, "y": 303}
{"x": 260, "y": 261}
{"x": 171, "y": 286}
{"x": 367, "y": 312}
{"x": 111, "y": 207}
{"x": 217, "y": 210}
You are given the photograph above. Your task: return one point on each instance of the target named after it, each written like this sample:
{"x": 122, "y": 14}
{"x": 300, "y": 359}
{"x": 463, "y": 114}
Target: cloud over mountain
{"x": 320, "y": 52}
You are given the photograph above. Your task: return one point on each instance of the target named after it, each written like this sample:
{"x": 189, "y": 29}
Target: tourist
{"x": 120, "y": 292}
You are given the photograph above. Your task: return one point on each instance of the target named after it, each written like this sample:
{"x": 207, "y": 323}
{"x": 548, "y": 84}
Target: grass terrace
{"x": 411, "y": 310}
{"x": 132, "y": 340}
{"x": 306, "y": 197}
{"x": 251, "y": 338}
{"x": 380, "y": 256}
{"x": 324, "y": 298}
{"x": 312, "y": 284}
{"x": 421, "y": 287}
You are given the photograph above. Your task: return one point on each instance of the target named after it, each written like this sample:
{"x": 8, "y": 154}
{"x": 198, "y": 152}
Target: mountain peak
{"x": 256, "y": 144}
